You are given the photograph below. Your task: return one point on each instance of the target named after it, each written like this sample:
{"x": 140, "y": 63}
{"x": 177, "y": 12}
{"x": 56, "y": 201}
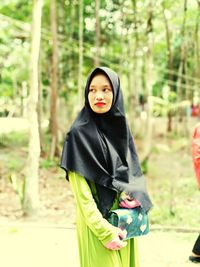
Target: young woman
{"x": 102, "y": 166}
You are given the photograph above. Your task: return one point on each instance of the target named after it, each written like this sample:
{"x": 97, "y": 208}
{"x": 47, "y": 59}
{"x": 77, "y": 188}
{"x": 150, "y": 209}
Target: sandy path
{"x": 48, "y": 246}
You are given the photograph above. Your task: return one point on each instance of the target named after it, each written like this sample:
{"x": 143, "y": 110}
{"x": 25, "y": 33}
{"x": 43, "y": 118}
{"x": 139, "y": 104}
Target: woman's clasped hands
{"x": 117, "y": 243}
{"x": 128, "y": 202}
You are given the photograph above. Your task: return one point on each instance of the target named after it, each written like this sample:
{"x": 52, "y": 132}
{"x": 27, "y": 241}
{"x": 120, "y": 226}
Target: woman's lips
{"x": 100, "y": 104}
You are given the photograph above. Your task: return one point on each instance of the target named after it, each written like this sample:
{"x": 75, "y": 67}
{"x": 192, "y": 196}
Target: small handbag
{"x": 134, "y": 221}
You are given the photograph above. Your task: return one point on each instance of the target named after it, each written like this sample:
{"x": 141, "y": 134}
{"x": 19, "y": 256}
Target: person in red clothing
{"x": 195, "y": 257}
{"x": 196, "y": 152}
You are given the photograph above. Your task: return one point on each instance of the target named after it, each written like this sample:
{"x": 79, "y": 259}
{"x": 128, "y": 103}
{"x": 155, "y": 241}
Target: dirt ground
{"x": 57, "y": 202}
{"x": 50, "y": 245}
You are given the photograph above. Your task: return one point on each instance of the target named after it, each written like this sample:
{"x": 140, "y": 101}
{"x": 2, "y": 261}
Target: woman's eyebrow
{"x": 105, "y": 85}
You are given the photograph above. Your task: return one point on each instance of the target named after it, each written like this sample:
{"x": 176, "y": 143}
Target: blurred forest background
{"x": 48, "y": 48}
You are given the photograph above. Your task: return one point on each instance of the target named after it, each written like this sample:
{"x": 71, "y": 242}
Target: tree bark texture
{"x": 182, "y": 72}
{"x": 54, "y": 82}
{"x": 147, "y": 137}
{"x": 169, "y": 48}
{"x": 169, "y": 64}
{"x": 31, "y": 194}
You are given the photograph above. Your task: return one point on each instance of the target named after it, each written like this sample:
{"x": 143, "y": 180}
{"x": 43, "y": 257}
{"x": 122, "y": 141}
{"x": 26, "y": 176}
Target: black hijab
{"x": 100, "y": 148}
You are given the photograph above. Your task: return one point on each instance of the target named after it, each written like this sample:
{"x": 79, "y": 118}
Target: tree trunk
{"x": 24, "y": 94}
{"x": 122, "y": 42}
{"x": 31, "y": 194}
{"x": 40, "y": 102}
{"x": 132, "y": 43}
{"x": 169, "y": 64}
{"x": 72, "y": 31}
{"x": 149, "y": 61}
{"x": 97, "y": 36}
{"x": 169, "y": 48}
{"x": 135, "y": 57}
{"x": 182, "y": 55}
{"x": 54, "y": 83}
{"x": 80, "y": 66}
{"x": 181, "y": 94}
{"x": 197, "y": 41}
{"x": 147, "y": 143}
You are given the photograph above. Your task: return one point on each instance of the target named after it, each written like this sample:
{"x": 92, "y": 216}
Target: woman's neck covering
{"x": 100, "y": 148}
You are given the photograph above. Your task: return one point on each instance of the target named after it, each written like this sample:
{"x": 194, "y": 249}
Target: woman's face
{"x": 100, "y": 94}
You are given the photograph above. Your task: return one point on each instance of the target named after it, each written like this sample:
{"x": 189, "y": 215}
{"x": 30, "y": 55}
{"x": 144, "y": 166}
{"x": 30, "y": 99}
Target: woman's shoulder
{"x": 76, "y": 129}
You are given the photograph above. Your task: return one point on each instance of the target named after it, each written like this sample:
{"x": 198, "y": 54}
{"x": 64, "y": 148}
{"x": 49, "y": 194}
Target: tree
{"x": 80, "y": 65}
{"x": 182, "y": 88}
{"x": 183, "y": 51}
{"x": 97, "y": 35}
{"x": 31, "y": 195}
{"x": 135, "y": 58}
{"x": 54, "y": 82}
{"x": 169, "y": 62}
{"x": 197, "y": 42}
{"x": 147, "y": 144}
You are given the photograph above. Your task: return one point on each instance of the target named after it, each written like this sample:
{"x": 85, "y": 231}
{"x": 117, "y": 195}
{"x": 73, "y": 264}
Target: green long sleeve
{"x": 87, "y": 209}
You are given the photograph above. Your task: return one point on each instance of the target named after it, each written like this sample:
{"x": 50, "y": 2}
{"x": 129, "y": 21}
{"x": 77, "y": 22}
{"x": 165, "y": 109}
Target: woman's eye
{"x": 106, "y": 90}
{"x": 91, "y": 90}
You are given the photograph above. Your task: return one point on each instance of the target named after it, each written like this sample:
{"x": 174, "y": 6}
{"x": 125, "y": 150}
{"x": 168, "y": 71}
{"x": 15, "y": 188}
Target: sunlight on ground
{"x": 13, "y": 124}
{"x": 166, "y": 249}
{"x": 8, "y": 125}
{"x": 51, "y": 246}
{"x": 33, "y": 247}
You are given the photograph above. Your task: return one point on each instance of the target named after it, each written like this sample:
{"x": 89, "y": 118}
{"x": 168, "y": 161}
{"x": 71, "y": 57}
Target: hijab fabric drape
{"x": 100, "y": 148}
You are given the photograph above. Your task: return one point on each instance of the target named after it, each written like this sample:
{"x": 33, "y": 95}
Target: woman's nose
{"x": 99, "y": 96}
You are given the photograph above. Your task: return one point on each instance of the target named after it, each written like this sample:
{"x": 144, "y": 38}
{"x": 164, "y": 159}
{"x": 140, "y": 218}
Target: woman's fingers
{"x": 129, "y": 204}
{"x": 122, "y": 233}
{"x": 115, "y": 244}
{"x": 122, "y": 204}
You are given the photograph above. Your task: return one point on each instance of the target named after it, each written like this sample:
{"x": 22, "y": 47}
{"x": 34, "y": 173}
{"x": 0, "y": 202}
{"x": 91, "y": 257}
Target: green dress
{"x": 94, "y": 231}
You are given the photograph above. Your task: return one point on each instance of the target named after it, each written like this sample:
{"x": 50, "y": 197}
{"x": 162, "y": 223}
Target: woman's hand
{"x": 129, "y": 203}
{"x": 117, "y": 243}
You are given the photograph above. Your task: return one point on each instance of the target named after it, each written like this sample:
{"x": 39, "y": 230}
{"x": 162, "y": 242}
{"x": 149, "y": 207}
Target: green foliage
{"x": 13, "y": 157}
{"x": 14, "y": 139}
{"x": 48, "y": 163}
{"x": 18, "y": 186}
{"x": 144, "y": 166}
{"x": 15, "y": 164}
{"x": 172, "y": 185}
{"x": 184, "y": 203}
{"x": 123, "y": 32}
{"x": 9, "y": 8}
